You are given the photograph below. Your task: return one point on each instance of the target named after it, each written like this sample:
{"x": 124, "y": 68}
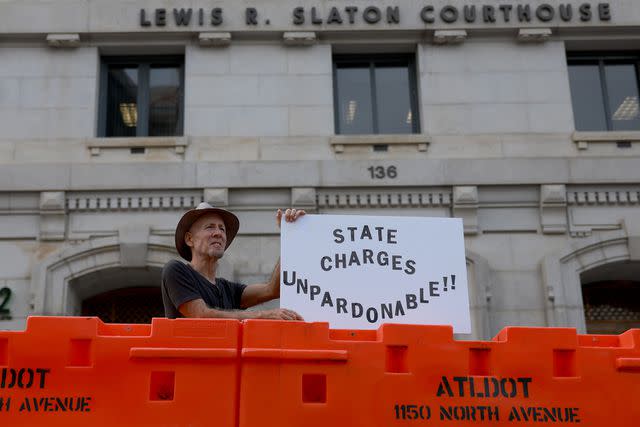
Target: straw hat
{"x": 231, "y": 223}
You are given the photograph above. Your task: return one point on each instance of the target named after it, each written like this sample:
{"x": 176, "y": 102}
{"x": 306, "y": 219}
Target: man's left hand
{"x": 290, "y": 215}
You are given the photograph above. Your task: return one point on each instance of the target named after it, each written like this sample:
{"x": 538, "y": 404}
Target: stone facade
{"x": 541, "y": 203}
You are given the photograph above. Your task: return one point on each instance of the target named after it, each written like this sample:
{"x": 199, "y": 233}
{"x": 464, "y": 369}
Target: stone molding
{"x": 53, "y": 222}
{"x": 553, "y": 209}
{"x": 214, "y": 38}
{"x": 58, "y": 40}
{"x": 583, "y": 139}
{"x": 449, "y": 36}
{"x": 185, "y": 175}
{"x": 420, "y": 141}
{"x": 382, "y": 198}
{"x": 134, "y": 245}
{"x": 216, "y": 196}
{"x": 303, "y": 196}
{"x": 550, "y": 196}
{"x": 465, "y": 206}
{"x": 124, "y": 200}
{"x": 594, "y": 196}
{"x": 599, "y": 197}
{"x": 533, "y": 35}
{"x": 299, "y": 38}
{"x": 177, "y": 143}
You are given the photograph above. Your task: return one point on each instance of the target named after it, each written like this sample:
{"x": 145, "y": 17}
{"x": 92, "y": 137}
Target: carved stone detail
{"x": 553, "y": 209}
{"x": 603, "y": 197}
{"x": 127, "y": 201}
{"x": 383, "y": 198}
{"x": 53, "y": 221}
{"x": 217, "y": 196}
{"x": 465, "y": 206}
{"x": 303, "y": 196}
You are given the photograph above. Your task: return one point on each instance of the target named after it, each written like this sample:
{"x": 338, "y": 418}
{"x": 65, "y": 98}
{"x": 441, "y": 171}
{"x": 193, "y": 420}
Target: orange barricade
{"x": 65, "y": 371}
{"x": 303, "y": 374}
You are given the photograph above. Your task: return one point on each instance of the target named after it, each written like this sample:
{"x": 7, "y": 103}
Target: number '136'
{"x": 380, "y": 172}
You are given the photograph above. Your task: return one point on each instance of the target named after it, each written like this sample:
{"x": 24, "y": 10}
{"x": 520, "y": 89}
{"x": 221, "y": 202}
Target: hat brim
{"x": 231, "y": 222}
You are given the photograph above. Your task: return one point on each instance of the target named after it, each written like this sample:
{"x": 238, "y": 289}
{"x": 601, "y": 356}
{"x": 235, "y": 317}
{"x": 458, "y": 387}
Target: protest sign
{"x": 357, "y": 272}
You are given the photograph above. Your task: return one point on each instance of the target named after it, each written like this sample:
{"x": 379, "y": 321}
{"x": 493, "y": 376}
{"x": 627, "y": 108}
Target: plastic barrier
{"x": 65, "y": 371}
{"x": 297, "y": 374}
{"x": 81, "y": 372}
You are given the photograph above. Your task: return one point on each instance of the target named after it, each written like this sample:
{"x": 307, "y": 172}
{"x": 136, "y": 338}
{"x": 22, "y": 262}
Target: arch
{"x": 50, "y": 281}
{"x": 561, "y": 272}
{"x": 51, "y": 289}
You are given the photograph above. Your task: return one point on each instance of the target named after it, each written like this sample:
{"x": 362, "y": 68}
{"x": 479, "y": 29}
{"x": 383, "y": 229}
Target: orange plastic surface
{"x": 297, "y": 374}
{"x": 64, "y": 371}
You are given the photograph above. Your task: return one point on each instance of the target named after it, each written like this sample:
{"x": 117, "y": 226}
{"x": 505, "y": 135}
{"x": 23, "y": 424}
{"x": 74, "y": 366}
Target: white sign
{"x": 357, "y": 272}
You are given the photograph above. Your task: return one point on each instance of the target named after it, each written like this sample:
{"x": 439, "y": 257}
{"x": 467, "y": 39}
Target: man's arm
{"x": 198, "y": 309}
{"x": 261, "y": 292}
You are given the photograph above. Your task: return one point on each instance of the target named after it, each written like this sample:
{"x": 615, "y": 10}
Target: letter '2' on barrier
{"x": 64, "y": 371}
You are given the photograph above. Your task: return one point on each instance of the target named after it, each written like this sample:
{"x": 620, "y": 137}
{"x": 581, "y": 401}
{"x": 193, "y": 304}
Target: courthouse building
{"x": 519, "y": 116}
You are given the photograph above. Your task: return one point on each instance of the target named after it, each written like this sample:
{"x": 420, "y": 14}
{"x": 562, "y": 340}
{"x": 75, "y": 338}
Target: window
{"x": 375, "y": 94}
{"x": 141, "y": 96}
{"x": 604, "y": 92}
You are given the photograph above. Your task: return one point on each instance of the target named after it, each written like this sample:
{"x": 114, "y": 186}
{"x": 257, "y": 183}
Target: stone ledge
{"x": 582, "y": 139}
{"x": 179, "y": 143}
{"x": 338, "y": 142}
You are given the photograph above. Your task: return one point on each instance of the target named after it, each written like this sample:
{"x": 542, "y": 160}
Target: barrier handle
{"x": 628, "y": 364}
{"x": 296, "y": 354}
{"x": 182, "y": 353}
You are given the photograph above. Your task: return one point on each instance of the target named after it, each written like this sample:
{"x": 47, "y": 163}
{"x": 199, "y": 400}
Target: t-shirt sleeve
{"x": 179, "y": 284}
{"x": 236, "y": 293}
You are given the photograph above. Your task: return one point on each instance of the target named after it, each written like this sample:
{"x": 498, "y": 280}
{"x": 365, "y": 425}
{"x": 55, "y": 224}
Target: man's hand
{"x": 279, "y": 314}
{"x": 198, "y": 308}
{"x": 290, "y": 215}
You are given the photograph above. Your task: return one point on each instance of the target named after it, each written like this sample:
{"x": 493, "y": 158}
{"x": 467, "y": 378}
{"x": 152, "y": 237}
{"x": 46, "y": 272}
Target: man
{"x": 193, "y": 290}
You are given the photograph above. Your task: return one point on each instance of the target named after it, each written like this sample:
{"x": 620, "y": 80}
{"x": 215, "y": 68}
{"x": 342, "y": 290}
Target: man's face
{"x": 207, "y": 237}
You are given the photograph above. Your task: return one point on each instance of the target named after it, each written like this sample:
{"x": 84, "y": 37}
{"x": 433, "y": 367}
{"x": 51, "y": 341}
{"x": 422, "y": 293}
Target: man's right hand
{"x": 279, "y": 314}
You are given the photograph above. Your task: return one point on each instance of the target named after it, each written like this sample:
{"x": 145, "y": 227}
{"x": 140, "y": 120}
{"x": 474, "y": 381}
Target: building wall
{"x": 497, "y": 148}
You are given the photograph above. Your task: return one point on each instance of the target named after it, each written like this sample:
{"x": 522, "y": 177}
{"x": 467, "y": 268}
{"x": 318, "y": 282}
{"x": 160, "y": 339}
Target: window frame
{"x": 600, "y": 59}
{"x": 144, "y": 63}
{"x": 372, "y": 60}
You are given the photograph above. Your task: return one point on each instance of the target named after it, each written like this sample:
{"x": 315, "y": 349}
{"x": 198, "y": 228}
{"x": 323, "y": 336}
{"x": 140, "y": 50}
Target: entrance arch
{"x": 60, "y": 282}
{"x": 561, "y": 272}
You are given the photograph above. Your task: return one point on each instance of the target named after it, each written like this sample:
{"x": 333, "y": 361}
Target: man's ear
{"x": 188, "y": 239}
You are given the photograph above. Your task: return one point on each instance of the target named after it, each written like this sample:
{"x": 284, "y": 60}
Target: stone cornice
{"x": 611, "y": 196}
{"x": 324, "y": 173}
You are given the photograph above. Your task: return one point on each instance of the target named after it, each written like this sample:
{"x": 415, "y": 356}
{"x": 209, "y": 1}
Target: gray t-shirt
{"x": 181, "y": 283}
